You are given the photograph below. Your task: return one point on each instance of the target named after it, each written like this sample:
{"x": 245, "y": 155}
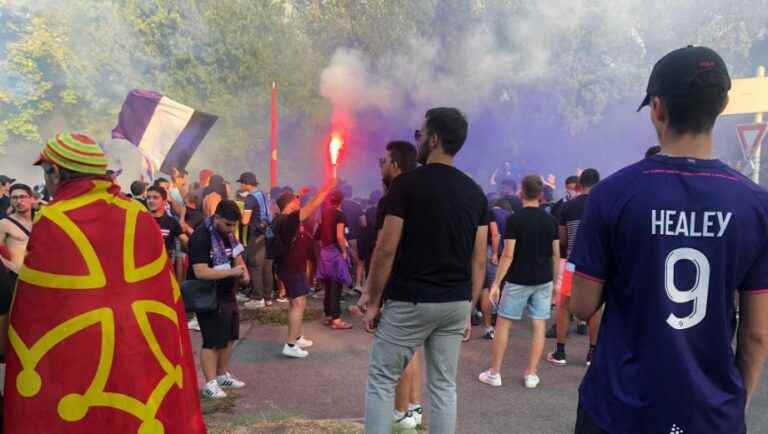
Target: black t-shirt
{"x": 382, "y": 209}
{"x": 5, "y": 204}
{"x": 570, "y": 217}
{"x": 7, "y": 286}
{"x": 533, "y": 230}
{"x": 515, "y": 203}
{"x": 171, "y": 229}
{"x": 194, "y": 217}
{"x": 330, "y": 219}
{"x": 557, "y": 208}
{"x": 442, "y": 209}
{"x": 200, "y": 250}
{"x": 352, "y": 212}
{"x": 296, "y": 253}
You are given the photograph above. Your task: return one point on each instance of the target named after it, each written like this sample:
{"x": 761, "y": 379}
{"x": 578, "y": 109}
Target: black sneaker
{"x": 581, "y": 328}
{"x": 552, "y": 332}
{"x": 589, "y": 356}
{"x": 557, "y": 358}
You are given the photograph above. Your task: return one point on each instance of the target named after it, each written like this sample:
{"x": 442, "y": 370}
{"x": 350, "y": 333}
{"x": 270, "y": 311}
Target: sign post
{"x": 747, "y": 96}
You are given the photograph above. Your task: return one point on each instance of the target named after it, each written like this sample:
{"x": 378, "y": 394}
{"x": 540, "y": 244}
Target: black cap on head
{"x": 248, "y": 178}
{"x": 686, "y": 70}
{"x": 6, "y": 180}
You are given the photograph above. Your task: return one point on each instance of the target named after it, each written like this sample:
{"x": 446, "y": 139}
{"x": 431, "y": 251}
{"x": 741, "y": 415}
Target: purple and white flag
{"x": 167, "y": 133}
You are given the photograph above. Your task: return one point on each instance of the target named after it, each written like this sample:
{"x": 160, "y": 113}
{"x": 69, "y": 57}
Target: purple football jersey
{"x": 672, "y": 239}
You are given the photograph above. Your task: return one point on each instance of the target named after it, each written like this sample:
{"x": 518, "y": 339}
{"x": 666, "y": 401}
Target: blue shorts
{"x": 514, "y": 299}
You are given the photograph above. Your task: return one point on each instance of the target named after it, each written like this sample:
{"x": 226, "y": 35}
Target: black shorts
{"x": 219, "y": 328}
{"x": 586, "y": 425}
{"x": 7, "y": 288}
{"x": 296, "y": 284}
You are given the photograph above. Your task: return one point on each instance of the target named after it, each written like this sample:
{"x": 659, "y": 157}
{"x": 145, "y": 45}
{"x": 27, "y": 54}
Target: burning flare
{"x": 334, "y": 147}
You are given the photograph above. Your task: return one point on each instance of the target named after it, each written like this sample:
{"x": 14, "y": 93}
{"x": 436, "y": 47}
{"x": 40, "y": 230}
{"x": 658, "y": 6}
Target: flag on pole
{"x": 166, "y": 132}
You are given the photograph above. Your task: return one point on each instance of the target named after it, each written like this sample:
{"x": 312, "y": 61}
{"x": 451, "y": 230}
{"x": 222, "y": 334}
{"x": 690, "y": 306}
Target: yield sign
{"x": 751, "y": 137}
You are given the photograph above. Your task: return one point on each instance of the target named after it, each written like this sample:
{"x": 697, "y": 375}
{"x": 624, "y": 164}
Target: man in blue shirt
{"x": 666, "y": 243}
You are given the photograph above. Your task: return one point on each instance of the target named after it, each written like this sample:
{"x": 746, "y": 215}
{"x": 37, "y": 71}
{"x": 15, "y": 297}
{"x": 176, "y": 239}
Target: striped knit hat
{"x": 76, "y": 152}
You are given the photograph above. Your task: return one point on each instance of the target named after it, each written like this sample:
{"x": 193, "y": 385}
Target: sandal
{"x": 340, "y": 325}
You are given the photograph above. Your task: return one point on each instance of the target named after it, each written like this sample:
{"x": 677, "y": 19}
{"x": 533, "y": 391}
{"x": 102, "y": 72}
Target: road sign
{"x": 751, "y": 138}
{"x": 748, "y": 95}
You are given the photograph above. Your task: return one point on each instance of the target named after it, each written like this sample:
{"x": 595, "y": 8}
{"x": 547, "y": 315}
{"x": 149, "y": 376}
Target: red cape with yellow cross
{"x": 98, "y": 337}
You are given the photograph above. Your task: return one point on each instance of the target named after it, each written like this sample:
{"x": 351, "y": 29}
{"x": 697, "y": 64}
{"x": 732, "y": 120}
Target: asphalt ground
{"x": 330, "y": 383}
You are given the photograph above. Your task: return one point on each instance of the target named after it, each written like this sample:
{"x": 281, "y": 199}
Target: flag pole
{"x": 273, "y": 140}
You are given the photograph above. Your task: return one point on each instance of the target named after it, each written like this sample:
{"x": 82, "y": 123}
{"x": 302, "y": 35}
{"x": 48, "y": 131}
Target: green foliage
{"x": 70, "y": 64}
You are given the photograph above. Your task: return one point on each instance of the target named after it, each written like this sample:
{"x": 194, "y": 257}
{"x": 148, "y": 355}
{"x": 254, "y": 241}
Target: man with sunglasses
{"x": 429, "y": 262}
{"x": 16, "y": 227}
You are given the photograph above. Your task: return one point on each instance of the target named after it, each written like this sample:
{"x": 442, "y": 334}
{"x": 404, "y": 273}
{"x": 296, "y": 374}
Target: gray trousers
{"x": 403, "y": 328}
{"x": 260, "y": 269}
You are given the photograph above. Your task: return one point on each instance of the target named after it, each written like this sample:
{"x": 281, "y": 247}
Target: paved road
{"x": 329, "y": 384}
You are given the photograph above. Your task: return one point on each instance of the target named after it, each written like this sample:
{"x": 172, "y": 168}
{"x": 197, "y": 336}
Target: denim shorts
{"x": 514, "y": 299}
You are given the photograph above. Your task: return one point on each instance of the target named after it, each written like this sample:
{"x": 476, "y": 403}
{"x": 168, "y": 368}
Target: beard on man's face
{"x": 424, "y": 152}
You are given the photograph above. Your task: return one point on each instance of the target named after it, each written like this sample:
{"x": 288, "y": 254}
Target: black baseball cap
{"x": 6, "y": 180}
{"x": 686, "y": 71}
{"x": 248, "y": 178}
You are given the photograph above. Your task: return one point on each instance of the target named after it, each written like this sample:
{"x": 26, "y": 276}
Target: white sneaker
{"x": 282, "y": 299}
{"x": 418, "y": 414}
{"x": 193, "y": 325}
{"x": 254, "y": 304}
{"x": 228, "y": 381}
{"x": 303, "y": 342}
{"x": 490, "y": 378}
{"x": 213, "y": 391}
{"x": 406, "y": 422}
{"x": 294, "y": 351}
{"x": 241, "y": 298}
{"x": 531, "y": 381}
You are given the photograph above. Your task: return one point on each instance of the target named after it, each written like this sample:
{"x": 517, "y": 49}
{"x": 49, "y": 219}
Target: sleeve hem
{"x": 589, "y": 276}
{"x": 755, "y": 291}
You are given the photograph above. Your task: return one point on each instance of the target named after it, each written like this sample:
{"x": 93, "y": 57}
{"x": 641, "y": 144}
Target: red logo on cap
{"x": 707, "y": 64}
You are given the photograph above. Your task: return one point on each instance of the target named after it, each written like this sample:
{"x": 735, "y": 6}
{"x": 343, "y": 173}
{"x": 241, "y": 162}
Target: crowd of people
{"x": 650, "y": 259}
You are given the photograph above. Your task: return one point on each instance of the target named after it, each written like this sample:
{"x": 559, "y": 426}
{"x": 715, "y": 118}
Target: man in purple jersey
{"x": 666, "y": 243}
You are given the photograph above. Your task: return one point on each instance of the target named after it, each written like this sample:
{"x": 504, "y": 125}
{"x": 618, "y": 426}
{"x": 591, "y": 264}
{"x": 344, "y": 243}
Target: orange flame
{"x": 334, "y": 147}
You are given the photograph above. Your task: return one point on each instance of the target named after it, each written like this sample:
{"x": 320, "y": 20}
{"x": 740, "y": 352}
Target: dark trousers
{"x": 585, "y": 424}
{"x": 332, "y": 301}
{"x": 260, "y": 269}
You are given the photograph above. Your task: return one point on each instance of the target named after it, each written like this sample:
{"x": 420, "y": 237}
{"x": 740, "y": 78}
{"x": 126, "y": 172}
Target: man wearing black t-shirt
{"x": 169, "y": 227}
{"x": 429, "y": 263}
{"x": 530, "y": 264}
{"x": 216, "y": 256}
{"x": 570, "y": 217}
{"x": 290, "y": 254}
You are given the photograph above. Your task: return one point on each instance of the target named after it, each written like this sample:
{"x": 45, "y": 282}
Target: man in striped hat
{"x": 98, "y": 340}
